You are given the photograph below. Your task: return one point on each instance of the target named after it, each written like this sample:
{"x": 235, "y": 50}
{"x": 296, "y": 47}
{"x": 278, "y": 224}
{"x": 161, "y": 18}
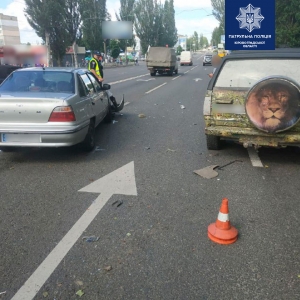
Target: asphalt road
{"x": 155, "y": 243}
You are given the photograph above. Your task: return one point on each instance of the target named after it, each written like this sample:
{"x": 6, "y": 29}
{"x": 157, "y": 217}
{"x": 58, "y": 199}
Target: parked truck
{"x": 186, "y": 58}
{"x": 162, "y": 60}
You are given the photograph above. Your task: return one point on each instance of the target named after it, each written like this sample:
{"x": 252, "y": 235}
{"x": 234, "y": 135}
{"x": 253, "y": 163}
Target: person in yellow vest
{"x": 94, "y": 65}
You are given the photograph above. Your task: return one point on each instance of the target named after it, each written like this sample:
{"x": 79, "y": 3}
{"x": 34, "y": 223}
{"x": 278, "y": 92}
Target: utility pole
{"x": 47, "y": 40}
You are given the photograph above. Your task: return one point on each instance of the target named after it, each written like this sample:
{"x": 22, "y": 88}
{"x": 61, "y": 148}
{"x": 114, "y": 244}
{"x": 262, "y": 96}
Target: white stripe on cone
{"x": 223, "y": 217}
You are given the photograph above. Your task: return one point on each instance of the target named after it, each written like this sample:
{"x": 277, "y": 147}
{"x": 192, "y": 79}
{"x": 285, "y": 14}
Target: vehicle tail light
{"x": 62, "y": 114}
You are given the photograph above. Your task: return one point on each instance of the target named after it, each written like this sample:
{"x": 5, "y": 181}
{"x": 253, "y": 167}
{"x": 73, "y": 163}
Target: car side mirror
{"x": 106, "y": 86}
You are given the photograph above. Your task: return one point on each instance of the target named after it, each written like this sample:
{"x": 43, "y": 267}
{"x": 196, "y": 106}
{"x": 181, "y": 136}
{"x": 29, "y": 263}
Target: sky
{"x": 190, "y": 16}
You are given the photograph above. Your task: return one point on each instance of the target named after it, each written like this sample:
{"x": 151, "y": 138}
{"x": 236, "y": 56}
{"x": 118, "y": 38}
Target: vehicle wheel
{"x": 89, "y": 142}
{"x": 203, "y": 64}
{"x": 153, "y": 74}
{"x": 170, "y": 73}
{"x": 213, "y": 142}
{"x": 110, "y": 115}
{"x": 176, "y": 72}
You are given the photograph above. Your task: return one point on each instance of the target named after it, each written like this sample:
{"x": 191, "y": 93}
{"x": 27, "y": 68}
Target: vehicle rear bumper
{"x": 252, "y": 136}
{"x": 44, "y": 138}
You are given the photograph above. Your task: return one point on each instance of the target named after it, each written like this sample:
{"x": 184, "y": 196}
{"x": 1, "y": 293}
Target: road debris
{"x": 182, "y": 106}
{"x": 108, "y": 268}
{"x": 118, "y": 203}
{"x": 232, "y": 162}
{"x": 79, "y": 282}
{"x": 147, "y": 148}
{"x": 208, "y": 172}
{"x": 3, "y": 293}
{"x": 128, "y": 234}
{"x": 170, "y": 150}
{"x": 45, "y": 294}
{"x": 80, "y": 293}
{"x": 99, "y": 149}
{"x": 142, "y": 116}
{"x": 114, "y": 121}
{"x": 91, "y": 239}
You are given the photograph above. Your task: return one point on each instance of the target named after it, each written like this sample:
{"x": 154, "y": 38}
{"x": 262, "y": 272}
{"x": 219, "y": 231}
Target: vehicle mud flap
{"x": 117, "y": 107}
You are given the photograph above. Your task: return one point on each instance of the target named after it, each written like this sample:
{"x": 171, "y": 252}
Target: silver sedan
{"x": 52, "y": 107}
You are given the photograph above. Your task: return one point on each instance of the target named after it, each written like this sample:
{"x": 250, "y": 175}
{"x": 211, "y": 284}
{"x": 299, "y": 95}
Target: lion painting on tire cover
{"x": 273, "y": 105}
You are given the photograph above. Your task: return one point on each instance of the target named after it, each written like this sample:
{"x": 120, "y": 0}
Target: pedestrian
{"x": 136, "y": 61}
{"x": 216, "y": 61}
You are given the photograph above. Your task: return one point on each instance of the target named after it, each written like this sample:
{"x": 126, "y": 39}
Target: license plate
{"x": 20, "y": 138}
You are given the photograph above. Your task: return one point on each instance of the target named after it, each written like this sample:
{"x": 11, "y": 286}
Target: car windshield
{"x": 245, "y": 73}
{"x": 39, "y": 81}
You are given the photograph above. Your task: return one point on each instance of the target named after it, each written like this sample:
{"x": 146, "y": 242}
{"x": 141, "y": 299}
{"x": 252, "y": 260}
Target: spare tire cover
{"x": 273, "y": 104}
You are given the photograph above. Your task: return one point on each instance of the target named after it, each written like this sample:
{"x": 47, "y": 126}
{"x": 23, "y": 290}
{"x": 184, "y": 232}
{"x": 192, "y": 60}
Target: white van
{"x": 186, "y": 58}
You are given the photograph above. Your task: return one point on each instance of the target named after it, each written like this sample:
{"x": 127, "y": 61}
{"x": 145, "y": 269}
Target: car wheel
{"x": 153, "y": 74}
{"x": 89, "y": 142}
{"x": 176, "y": 72}
{"x": 170, "y": 73}
{"x": 213, "y": 142}
{"x": 110, "y": 115}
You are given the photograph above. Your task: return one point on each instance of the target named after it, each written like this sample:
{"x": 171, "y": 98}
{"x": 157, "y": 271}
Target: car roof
{"x": 277, "y": 53}
{"x": 52, "y": 69}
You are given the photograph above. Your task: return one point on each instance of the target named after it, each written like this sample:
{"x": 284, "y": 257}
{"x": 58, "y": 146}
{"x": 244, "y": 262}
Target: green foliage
{"x": 114, "y": 48}
{"x": 49, "y": 17}
{"x": 92, "y": 14}
{"x": 216, "y": 35}
{"x": 288, "y": 23}
{"x": 179, "y": 50}
{"x": 126, "y": 13}
{"x": 155, "y": 23}
{"x": 219, "y": 11}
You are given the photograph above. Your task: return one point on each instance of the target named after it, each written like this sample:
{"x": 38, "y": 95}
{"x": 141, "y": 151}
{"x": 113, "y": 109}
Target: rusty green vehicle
{"x": 254, "y": 99}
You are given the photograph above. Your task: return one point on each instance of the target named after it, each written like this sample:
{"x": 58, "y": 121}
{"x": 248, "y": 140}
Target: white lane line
{"x": 127, "y": 79}
{"x": 156, "y": 88}
{"x": 126, "y": 103}
{"x": 186, "y": 71}
{"x": 194, "y": 68}
{"x": 255, "y": 160}
{"x": 176, "y": 77}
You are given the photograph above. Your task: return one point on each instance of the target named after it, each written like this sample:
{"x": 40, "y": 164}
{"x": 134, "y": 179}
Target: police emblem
{"x": 250, "y": 18}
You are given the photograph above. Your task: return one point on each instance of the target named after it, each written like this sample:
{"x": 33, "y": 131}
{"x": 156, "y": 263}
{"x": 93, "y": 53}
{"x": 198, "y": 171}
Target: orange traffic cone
{"x": 222, "y": 232}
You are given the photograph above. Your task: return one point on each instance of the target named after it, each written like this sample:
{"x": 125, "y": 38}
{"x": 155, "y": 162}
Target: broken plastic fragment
{"x": 128, "y": 234}
{"x": 182, "y": 106}
{"x": 90, "y": 239}
{"x": 80, "y": 293}
{"x": 108, "y": 268}
{"x": 114, "y": 121}
{"x": 142, "y": 116}
{"x": 45, "y": 294}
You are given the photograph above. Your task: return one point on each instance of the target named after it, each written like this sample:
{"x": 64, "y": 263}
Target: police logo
{"x": 250, "y": 18}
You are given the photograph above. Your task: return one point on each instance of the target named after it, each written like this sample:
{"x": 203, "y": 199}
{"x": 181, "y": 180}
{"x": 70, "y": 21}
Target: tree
{"x": 169, "y": 36}
{"x": 114, "y": 46}
{"x": 288, "y": 23}
{"x": 92, "y": 14}
{"x": 196, "y": 40}
{"x": 216, "y": 36}
{"x": 148, "y": 22}
{"x": 126, "y": 13}
{"x": 179, "y": 50}
{"x": 219, "y": 11}
{"x": 48, "y": 20}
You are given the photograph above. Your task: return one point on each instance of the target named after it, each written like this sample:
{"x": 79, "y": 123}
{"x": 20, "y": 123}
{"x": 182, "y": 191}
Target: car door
{"x": 94, "y": 96}
{"x": 100, "y": 94}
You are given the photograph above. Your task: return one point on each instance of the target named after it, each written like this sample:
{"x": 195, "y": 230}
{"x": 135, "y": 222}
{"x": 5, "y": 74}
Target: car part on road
{"x": 118, "y": 203}
{"x": 222, "y": 232}
{"x": 208, "y": 172}
{"x": 232, "y": 162}
{"x": 142, "y": 116}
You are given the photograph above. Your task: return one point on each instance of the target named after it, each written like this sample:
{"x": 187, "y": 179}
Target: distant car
{"x": 207, "y": 59}
{"x": 143, "y": 58}
{"x": 52, "y": 107}
{"x": 253, "y": 99}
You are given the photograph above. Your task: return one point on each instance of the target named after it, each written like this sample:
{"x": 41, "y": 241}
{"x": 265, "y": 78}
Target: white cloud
{"x": 204, "y": 25}
{"x": 113, "y": 7}
{"x": 16, "y": 9}
{"x": 186, "y": 4}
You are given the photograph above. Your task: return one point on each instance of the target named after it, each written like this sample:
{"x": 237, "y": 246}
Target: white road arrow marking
{"x": 121, "y": 181}
{"x": 197, "y": 79}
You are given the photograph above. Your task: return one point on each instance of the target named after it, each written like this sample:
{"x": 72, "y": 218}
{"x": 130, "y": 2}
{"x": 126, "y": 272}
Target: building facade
{"x": 9, "y": 31}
